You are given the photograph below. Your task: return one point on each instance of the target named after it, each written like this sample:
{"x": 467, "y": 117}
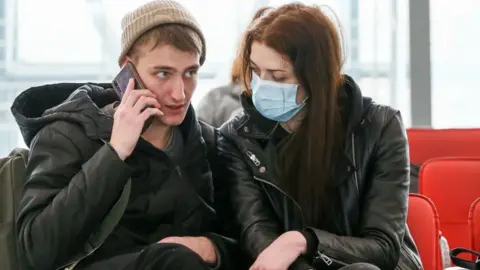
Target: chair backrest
{"x": 474, "y": 223}
{"x": 453, "y": 184}
{"x": 422, "y": 220}
{"x": 426, "y": 144}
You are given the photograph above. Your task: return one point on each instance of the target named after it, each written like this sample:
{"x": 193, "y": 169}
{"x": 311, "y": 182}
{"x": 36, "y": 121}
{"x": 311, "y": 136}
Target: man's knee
{"x": 173, "y": 256}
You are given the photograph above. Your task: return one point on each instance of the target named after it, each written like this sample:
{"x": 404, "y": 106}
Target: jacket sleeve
{"x": 66, "y": 194}
{"x": 384, "y": 207}
{"x": 246, "y": 209}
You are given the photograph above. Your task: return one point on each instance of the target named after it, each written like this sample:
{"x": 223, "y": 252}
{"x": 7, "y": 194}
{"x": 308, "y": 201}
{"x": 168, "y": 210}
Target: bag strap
{"x": 111, "y": 220}
{"x": 96, "y": 239}
{"x": 462, "y": 262}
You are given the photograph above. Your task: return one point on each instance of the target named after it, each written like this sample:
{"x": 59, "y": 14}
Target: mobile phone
{"x": 120, "y": 83}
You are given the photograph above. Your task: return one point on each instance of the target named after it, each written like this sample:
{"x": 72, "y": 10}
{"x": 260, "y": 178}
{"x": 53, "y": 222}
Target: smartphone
{"x": 120, "y": 83}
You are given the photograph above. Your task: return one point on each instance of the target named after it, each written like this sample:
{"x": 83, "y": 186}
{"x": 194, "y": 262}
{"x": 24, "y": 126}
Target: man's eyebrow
{"x": 164, "y": 68}
{"x": 169, "y": 68}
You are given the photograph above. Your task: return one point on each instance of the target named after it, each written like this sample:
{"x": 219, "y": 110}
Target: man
{"x": 85, "y": 145}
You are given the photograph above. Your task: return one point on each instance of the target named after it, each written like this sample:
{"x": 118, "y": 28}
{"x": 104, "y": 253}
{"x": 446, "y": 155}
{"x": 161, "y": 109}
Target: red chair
{"x": 422, "y": 220}
{"x": 453, "y": 184}
{"x": 426, "y": 144}
{"x": 474, "y": 223}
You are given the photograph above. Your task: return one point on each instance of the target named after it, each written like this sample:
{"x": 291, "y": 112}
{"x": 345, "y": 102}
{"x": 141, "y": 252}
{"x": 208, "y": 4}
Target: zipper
{"x": 178, "y": 170}
{"x": 328, "y": 260}
{"x": 253, "y": 158}
{"x": 355, "y": 164}
{"x": 284, "y": 194}
{"x": 72, "y": 264}
{"x": 410, "y": 256}
{"x": 257, "y": 163}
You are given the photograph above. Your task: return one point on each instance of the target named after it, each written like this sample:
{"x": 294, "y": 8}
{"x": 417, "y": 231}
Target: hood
{"x": 79, "y": 103}
{"x": 353, "y": 104}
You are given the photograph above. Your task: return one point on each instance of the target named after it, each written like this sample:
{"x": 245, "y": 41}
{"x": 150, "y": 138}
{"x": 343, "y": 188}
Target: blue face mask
{"x": 275, "y": 101}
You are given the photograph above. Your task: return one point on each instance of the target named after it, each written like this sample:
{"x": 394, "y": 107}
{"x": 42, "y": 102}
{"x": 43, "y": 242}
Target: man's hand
{"x": 200, "y": 245}
{"x": 282, "y": 252}
{"x": 129, "y": 118}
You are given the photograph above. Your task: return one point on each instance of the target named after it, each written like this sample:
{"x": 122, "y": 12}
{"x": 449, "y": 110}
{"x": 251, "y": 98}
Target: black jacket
{"x": 371, "y": 188}
{"x": 74, "y": 178}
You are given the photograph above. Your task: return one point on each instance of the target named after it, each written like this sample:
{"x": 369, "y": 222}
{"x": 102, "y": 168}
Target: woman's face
{"x": 269, "y": 65}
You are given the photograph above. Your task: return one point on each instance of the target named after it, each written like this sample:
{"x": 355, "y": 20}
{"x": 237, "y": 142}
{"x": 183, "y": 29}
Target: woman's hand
{"x": 280, "y": 254}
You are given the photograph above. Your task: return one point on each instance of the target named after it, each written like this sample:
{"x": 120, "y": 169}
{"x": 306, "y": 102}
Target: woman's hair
{"x": 236, "y": 71}
{"x": 306, "y": 37}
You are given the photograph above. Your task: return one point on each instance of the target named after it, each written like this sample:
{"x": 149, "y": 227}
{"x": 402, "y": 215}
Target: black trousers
{"x": 163, "y": 256}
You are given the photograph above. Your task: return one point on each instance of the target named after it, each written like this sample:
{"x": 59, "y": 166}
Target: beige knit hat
{"x": 153, "y": 14}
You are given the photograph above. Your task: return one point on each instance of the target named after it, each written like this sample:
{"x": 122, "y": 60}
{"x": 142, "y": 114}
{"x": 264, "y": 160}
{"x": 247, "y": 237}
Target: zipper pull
{"x": 253, "y": 158}
{"x": 323, "y": 257}
{"x": 179, "y": 171}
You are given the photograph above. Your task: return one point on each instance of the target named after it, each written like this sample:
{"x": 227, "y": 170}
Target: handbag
{"x": 471, "y": 265}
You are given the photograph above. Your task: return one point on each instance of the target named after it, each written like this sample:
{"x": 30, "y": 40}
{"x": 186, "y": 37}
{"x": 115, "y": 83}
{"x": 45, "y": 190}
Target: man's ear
{"x": 124, "y": 61}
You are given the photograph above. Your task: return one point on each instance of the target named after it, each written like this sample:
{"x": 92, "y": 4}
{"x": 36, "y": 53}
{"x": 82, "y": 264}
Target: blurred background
{"x": 416, "y": 55}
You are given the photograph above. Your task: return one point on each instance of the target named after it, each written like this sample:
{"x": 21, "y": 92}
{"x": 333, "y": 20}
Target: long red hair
{"x": 309, "y": 39}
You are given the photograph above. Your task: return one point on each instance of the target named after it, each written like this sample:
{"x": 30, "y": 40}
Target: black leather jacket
{"x": 372, "y": 182}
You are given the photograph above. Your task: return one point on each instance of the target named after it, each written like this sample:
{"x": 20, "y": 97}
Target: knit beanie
{"x": 153, "y": 14}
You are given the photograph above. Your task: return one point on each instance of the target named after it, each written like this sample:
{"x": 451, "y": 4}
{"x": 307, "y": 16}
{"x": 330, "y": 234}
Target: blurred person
{"x": 74, "y": 179}
{"x": 318, "y": 174}
{"x": 222, "y": 103}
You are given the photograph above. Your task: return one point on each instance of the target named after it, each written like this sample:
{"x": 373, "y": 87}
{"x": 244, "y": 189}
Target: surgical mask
{"x": 275, "y": 101}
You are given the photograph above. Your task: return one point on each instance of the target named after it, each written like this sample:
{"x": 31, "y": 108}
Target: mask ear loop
{"x": 304, "y": 102}
{"x": 269, "y": 136}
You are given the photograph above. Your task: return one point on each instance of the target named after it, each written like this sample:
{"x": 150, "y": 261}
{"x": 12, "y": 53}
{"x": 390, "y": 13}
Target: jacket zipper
{"x": 328, "y": 260}
{"x": 412, "y": 258}
{"x": 355, "y": 164}
{"x": 72, "y": 264}
{"x": 178, "y": 170}
{"x": 284, "y": 194}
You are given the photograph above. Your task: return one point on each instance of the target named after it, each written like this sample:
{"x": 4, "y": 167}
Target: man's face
{"x": 171, "y": 74}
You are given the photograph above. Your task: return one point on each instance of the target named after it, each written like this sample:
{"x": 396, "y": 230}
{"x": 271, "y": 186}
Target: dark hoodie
{"x": 74, "y": 178}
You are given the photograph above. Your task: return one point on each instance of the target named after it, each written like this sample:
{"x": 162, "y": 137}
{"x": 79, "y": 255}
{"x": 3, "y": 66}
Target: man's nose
{"x": 178, "y": 89}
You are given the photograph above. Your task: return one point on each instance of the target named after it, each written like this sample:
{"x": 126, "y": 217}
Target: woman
{"x": 318, "y": 174}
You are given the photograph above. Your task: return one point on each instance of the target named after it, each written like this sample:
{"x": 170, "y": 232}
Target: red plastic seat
{"x": 474, "y": 223}
{"x": 453, "y": 184}
{"x": 426, "y": 144}
{"x": 423, "y": 223}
